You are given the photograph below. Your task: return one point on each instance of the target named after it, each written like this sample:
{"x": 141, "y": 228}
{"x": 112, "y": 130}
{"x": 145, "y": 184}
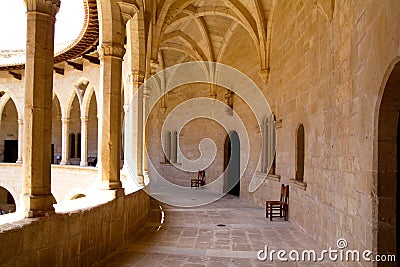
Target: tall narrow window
{"x": 268, "y": 151}
{"x": 167, "y": 147}
{"x": 300, "y": 154}
{"x": 174, "y": 147}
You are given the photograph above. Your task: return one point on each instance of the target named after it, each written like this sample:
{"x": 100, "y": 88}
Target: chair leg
{"x": 286, "y": 212}
{"x": 266, "y": 210}
{"x": 280, "y": 211}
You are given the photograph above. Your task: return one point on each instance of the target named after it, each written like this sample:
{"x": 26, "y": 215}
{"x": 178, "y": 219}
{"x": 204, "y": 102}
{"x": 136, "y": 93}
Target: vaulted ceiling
{"x": 201, "y": 29}
{"x": 187, "y": 30}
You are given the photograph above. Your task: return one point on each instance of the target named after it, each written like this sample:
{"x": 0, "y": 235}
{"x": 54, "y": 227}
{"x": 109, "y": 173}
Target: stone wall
{"x": 79, "y": 238}
{"x": 328, "y": 72}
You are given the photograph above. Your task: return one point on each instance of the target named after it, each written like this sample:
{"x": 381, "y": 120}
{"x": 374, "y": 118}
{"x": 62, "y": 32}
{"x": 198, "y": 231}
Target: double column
{"x": 38, "y": 200}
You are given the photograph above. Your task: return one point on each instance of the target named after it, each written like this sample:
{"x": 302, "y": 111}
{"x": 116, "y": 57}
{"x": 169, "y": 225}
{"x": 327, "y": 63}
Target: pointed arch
{"x": 8, "y": 94}
{"x": 13, "y": 193}
{"x": 86, "y": 101}
{"x": 56, "y": 130}
{"x": 9, "y": 128}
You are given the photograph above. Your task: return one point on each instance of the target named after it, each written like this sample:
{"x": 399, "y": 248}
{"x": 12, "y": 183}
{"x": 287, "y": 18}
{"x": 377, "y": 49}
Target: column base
{"x": 105, "y": 195}
{"x": 38, "y": 205}
{"x": 19, "y": 161}
{"x": 83, "y": 164}
{"x": 140, "y": 180}
{"x": 66, "y": 162}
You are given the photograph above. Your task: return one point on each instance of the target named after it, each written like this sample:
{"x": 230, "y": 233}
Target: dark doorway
{"x": 232, "y": 164}
{"x": 398, "y": 189}
{"x": 10, "y": 151}
{"x": 52, "y": 153}
{"x": 388, "y": 163}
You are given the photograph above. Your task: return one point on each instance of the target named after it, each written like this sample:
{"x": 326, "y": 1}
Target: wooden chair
{"x": 275, "y": 208}
{"x": 200, "y": 181}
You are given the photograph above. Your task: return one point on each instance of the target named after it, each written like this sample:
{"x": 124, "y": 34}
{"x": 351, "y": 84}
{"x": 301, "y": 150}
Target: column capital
{"x": 154, "y": 64}
{"x": 128, "y": 9}
{"x": 138, "y": 76}
{"x": 84, "y": 119}
{"x": 49, "y": 7}
{"x": 264, "y": 75}
{"x": 111, "y": 50}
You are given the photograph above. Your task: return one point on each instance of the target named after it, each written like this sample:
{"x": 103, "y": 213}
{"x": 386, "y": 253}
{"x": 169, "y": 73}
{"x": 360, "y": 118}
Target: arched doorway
{"x": 7, "y": 202}
{"x": 388, "y": 162}
{"x": 75, "y": 132}
{"x": 232, "y": 164}
{"x": 56, "y": 131}
{"x": 92, "y": 132}
{"x": 9, "y": 133}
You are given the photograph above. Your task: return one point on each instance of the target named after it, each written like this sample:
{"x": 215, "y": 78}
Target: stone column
{"x": 137, "y": 126}
{"x": 20, "y": 140}
{"x": 65, "y": 142}
{"x": 38, "y": 200}
{"x": 146, "y": 110}
{"x": 84, "y": 141}
{"x": 110, "y": 117}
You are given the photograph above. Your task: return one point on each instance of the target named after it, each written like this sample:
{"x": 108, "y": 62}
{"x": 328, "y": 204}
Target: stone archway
{"x": 7, "y": 201}
{"x": 388, "y": 162}
{"x": 9, "y": 133}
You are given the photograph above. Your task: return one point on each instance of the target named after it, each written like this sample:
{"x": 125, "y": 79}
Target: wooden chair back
{"x": 284, "y": 193}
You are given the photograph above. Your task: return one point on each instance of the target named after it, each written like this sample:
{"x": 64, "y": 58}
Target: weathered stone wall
{"x": 196, "y": 130}
{"x": 328, "y": 76}
{"x": 79, "y": 238}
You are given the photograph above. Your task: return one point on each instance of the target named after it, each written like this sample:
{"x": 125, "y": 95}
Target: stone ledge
{"x": 298, "y": 184}
{"x": 170, "y": 164}
{"x": 273, "y": 177}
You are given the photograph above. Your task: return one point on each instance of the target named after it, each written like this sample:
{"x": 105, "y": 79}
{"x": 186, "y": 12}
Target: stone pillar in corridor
{"x": 20, "y": 140}
{"x": 38, "y": 199}
{"x": 65, "y": 141}
{"x": 146, "y": 110}
{"x": 113, "y": 16}
{"x": 137, "y": 126}
{"x": 110, "y": 117}
{"x": 84, "y": 141}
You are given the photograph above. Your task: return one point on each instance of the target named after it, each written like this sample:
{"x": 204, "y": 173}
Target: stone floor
{"x": 228, "y": 232}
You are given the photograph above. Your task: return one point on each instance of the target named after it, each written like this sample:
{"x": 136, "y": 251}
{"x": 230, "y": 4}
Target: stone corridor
{"x": 228, "y": 232}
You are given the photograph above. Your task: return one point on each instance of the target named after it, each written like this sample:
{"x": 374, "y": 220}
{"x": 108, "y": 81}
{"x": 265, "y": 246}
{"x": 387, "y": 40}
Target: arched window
{"x": 174, "y": 147}
{"x": 268, "y": 152}
{"x": 300, "y": 154}
{"x": 167, "y": 147}
{"x": 171, "y": 147}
